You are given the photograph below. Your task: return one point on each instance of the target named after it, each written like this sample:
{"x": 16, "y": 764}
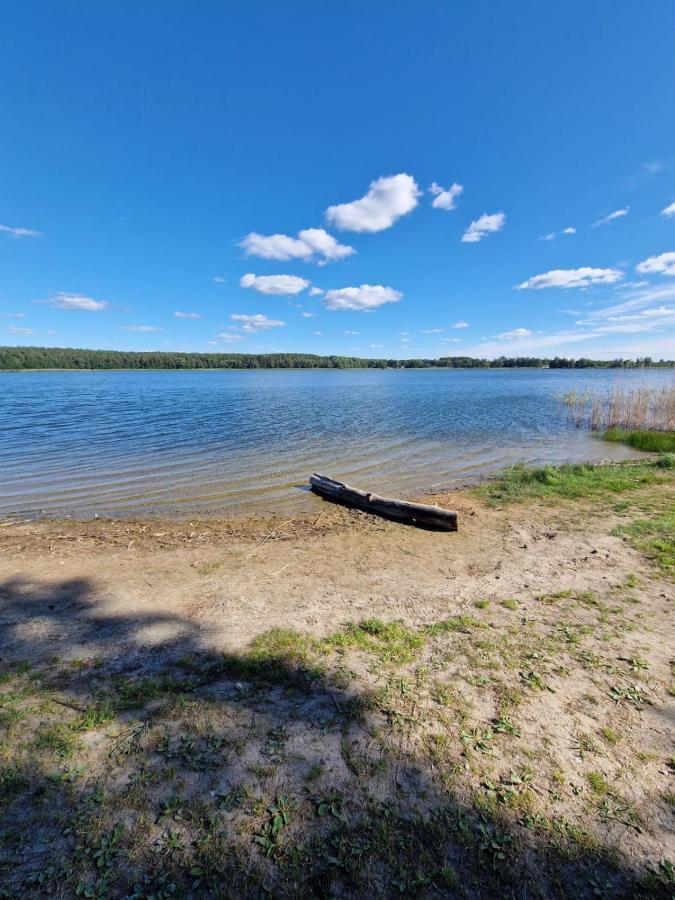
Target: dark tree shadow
{"x": 240, "y": 775}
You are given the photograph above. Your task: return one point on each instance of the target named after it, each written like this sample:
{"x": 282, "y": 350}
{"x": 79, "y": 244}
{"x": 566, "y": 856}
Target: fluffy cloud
{"x": 617, "y": 214}
{"x": 669, "y": 211}
{"x": 364, "y": 298}
{"x": 218, "y": 279}
{"x": 484, "y": 225}
{"x": 187, "y": 315}
{"x": 461, "y": 324}
{"x": 388, "y": 198}
{"x": 310, "y": 243}
{"x": 432, "y": 330}
{"x": 571, "y": 278}
{"x": 144, "y": 328}
{"x": 445, "y": 198}
{"x": 76, "y": 301}
{"x": 307, "y": 315}
{"x": 569, "y": 230}
{"x": 351, "y": 332}
{"x": 315, "y": 292}
{"x": 515, "y": 334}
{"x": 279, "y": 285}
{"x": 13, "y": 329}
{"x": 663, "y": 264}
{"x": 548, "y": 237}
{"x": 256, "y": 322}
{"x": 19, "y": 232}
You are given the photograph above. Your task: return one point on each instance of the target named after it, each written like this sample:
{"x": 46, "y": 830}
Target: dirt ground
{"x": 228, "y": 581}
{"x": 519, "y": 670}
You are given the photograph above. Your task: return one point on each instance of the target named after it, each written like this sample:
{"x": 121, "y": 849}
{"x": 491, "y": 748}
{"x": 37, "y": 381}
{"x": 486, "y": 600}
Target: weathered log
{"x": 417, "y": 513}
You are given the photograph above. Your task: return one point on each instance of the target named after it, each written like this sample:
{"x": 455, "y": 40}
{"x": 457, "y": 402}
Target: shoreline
{"x": 261, "y": 516}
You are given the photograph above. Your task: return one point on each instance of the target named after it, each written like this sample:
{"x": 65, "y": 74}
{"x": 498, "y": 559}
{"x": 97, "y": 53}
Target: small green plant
{"x": 280, "y": 815}
{"x": 597, "y": 782}
{"x": 503, "y": 725}
{"x": 481, "y": 604}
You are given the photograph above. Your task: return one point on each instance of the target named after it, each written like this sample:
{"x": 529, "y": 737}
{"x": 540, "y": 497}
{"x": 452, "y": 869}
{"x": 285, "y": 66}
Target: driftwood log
{"x": 416, "y": 513}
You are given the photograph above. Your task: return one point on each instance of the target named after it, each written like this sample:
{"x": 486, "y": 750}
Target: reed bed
{"x": 641, "y": 409}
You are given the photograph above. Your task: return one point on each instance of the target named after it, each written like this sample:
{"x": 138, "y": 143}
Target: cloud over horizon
{"x": 365, "y": 298}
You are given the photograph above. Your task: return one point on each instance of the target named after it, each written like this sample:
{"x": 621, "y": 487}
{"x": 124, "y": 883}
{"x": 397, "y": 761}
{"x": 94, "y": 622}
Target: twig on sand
{"x": 268, "y": 536}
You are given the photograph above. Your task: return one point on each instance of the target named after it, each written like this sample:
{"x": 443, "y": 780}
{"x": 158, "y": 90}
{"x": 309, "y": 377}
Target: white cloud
{"x": 461, "y": 324}
{"x": 649, "y": 311}
{"x": 187, "y": 315}
{"x": 310, "y": 243}
{"x": 317, "y": 333}
{"x": 315, "y": 292}
{"x": 405, "y": 340}
{"x": 13, "y": 329}
{"x": 388, "y": 198}
{"x": 571, "y": 278}
{"x": 445, "y": 198}
{"x": 663, "y": 264}
{"x": 19, "y": 232}
{"x": 75, "y": 301}
{"x": 617, "y": 214}
{"x": 569, "y": 230}
{"x": 376, "y": 346}
{"x": 256, "y": 322}
{"x": 548, "y": 237}
{"x": 448, "y": 340}
{"x": 228, "y": 336}
{"x": 432, "y": 330}
{"x": 14, "y": 315}
{"x": 278, "y": 285}
{"x": 144, "y": 328}
{"x": 515, "y": 334}
{"x": 308, "y": 315}
{"x": 482, "y": 226}
{"x": 364, "y": 298}
{"x": 669, "y": 211}
{"x": 218, "y": 279}
{"x": 352, "y": 332}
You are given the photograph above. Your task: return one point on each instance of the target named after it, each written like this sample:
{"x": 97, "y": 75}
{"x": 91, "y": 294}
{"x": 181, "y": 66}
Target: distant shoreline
{"x": 16, "y": 359}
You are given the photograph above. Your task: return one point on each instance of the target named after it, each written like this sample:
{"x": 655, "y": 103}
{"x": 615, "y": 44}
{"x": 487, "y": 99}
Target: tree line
{"x": 69, "y": 358}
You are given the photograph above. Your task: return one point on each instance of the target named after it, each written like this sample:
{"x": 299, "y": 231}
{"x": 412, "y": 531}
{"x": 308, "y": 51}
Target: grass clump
{"x": 654, "y": 441}
{"x": 520, "y": 482}
{"x": 389, "y": 641}
{"x": 654, "y": 537}
{"x": 597, "y": 782}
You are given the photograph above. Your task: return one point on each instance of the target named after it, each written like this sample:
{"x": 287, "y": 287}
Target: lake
{"x": 132, "y": 443}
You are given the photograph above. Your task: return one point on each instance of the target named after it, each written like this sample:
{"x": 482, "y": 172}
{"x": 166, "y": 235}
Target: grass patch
{"x": 654, "y": 441}
{"x": 654, "y": 537}
{"x": 520, "y": 482}
{"x": 389, "y": 641}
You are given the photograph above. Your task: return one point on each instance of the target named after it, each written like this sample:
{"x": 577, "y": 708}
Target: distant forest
{"x": 66, "y": 358}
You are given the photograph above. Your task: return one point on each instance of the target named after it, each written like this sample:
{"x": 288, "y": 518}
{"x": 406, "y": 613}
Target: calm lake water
{"x": 177, "y": 443}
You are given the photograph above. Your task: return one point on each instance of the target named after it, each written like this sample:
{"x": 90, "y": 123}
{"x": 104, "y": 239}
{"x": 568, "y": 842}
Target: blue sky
{"x": 380, "y": 179}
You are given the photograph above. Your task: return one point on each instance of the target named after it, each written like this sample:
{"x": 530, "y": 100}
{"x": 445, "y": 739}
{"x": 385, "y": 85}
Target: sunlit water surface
{"x": 121, "y": 443}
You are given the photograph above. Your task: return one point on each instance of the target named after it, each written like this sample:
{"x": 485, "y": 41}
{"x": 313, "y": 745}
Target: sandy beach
{"x": 512, "y": 678}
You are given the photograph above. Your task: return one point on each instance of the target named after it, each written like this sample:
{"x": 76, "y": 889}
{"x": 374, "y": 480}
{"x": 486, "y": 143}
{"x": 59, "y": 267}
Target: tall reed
{"x": 647, "y": 409}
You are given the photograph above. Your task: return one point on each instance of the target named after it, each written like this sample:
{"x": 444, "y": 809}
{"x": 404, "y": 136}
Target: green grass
{"x": 655, "y": 441}
{"x": 390, "y": 641}
{"x": 571, "y": 481}
{"x": 654, "y": 537}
